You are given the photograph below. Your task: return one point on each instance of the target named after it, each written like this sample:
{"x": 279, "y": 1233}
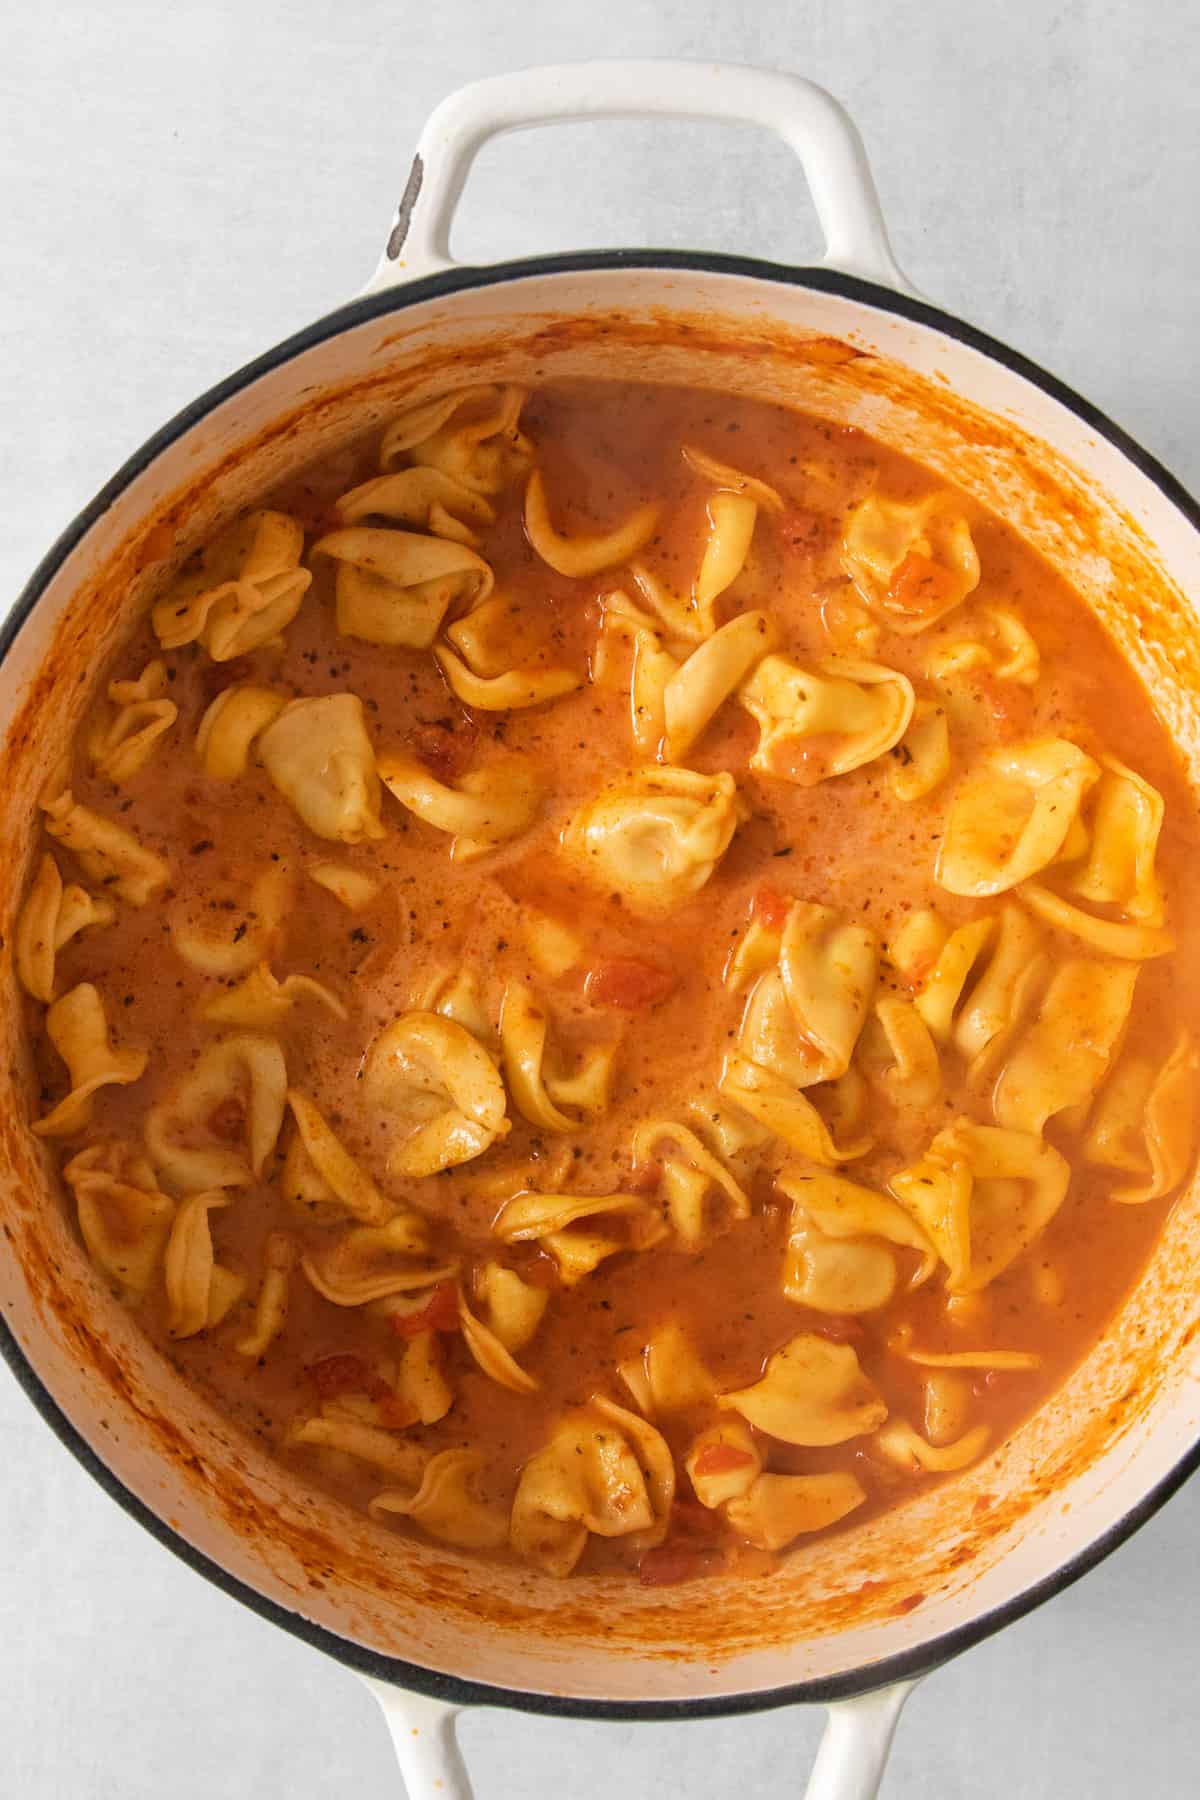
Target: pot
{"x": 852, "y": 1621}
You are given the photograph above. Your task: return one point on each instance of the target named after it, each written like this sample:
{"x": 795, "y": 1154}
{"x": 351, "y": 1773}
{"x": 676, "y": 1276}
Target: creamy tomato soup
{"x": 612, "y": 975}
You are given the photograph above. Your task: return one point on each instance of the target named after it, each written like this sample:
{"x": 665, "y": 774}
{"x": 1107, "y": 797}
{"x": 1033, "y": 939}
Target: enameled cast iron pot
{"x": 851, "y": 1621}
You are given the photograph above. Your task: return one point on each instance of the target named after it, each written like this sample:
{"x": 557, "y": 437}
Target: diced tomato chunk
{"x": 771, "y": 908}
{"x": 721, "y": 1459}
{"x": 340, "y": 1374}
{"x": 645, "y": 1179}
{"x": 440, "y": 1313}
{"x": 691, "y": 1520}
{"x": 670, "y": 1564}
{"x": 444, "y": 750}
{"x": 628, "y": 984}
{"x": 921, "y": 587}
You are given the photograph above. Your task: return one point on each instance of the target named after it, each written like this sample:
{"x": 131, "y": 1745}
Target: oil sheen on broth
{"x": 611, "y": 975}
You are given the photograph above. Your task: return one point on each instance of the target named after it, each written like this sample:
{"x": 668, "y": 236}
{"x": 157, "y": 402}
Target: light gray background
{"x": 188, "y": 182}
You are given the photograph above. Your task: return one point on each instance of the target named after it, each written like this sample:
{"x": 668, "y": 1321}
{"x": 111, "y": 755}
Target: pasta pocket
{"x": 603, "y": 1470}
{"x": 447, "y": 1504}
{"x": 723, "y": 1462}
{"x": 473, "y": 436}
{"x": 840, "y": 1244}
{"x": 667, "y": 1375}
{"x": 243, "y": 592}
{"x": 200, "y": 1291}
{"x": 262, "y": 1000}
{"x": 536, "y": 1081}
{"x": 982, "y": 1194}
{"x": 489, "y": 806}
{"x": 319, "y": 756}
{"x": 221, "y": 1122}
{"x": 973, "y": 987}
{"x": 1011, "y": 815}
{"x": 49, "y": 918}
{"x": 437, "y": 1086}
{"x": 372, "y": 1262}
{"x": 902, "y": 1444}
{"x": 271, "y": 1307}
{"x": 912, "y": 561}
{"x": 512, "y": 1308}
{"x": 1067, "y": 1051}
{"x": 108, "y": 854}
{"x": 1144, "y": 1122}
{"x": 123, "y": 744}
{"x": 554, "y": 1221}
{"x": 921, "y": 760}
{"x": 230, "y": 725}
{"x": 396, "y": 587}
{"x": 777, "y": 1509}
{"x": 320, "y": 1176}
{"x": 812, "y": 1393}
{"x": 590, "y": 552}
{"x": 427, "y": 498}
{"x": 492, "y": 1355}
{"x": 1124, "y": 818}
{"x": 702, "y": 1198}
{"x": 656, "y": 838}
{"x": 77, "y": 1026}
{"x": 124, "y": 1218}
{"x": 817, "y": 725}
{"x": 1003, "y": 647}
{"x": 222, "y": 935}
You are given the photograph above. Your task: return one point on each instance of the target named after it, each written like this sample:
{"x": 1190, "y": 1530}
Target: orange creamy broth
{"x": 847, "y": 843}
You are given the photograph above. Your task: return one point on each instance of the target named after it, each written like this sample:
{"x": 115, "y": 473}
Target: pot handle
{"x": 849, "y": 1765}
{"x": 807, "y": 118}
{"x": 854, "y": 1749}
{"x": 427, "y": 1749}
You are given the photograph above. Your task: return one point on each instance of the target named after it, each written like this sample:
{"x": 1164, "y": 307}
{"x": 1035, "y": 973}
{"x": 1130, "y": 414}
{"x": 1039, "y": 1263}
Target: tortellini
{"x": 839, "y": 1252}
{"x": 1125, "y": 818}
{"x": 437, "y": 1086}
{"x": 508, "y": 692}
{"x": 1068, "y": 1049}
{"x": 262, "y": 1000}
{"x": 590, "y": 552}
{"x": 447, "y": 1505}
{"x": 489, "y": 806}
{"x": 667, "y": 1375}
{"x": 245, "y": 590}
{"x": 900, "y": 1443}
{"x": 540, "y": 1089}
{"x": 1144, "y": 1122}
{"x": 1005, "y": 649}
{"x": 271, "y": 1307}
{"x": 49, "y": 918}
{"x": 372, "y": 1262}
{"x": 814, "y": 725}
{"x": 396, "y": 587}
{"x": 108, "y": 854}
{"x": 702, "y": 1197}
{"x": 200, "y": 1291}
{"x": 124, "y": 1217}
{"x": 813, "y": 1392}
{"x": 492, "y": 1355}
{"x": 912, "y": 561}
{"x": 723, "y": 1462}
{"x": 386, "y": 1450}
{"x": 124, "y": 743}
{"x": 318, "y": 754}
{"x": 777, "y": 1509}
{"x": 699, "y": 687}
{"x": 77, "y": 1026}
{"x": 982, "y": 1194}
{"x": 603, "y": 1470}
{"x": 230, "y": 725}
{"x": 971, "y": 986}
{"x": 424, "y": 497}
{"x": 221, "y": 1123}
{"x": 1011, "y": 815}
{"x": 222, "y": 937}
{"x": 656, "y": 838}
{"x": 553, "y": 1221}
{"x": 512, "y": 1308}
{"x": 921, "y": 760}
{"x": 473, "y": 436}
{"x": 319, "y": 1172}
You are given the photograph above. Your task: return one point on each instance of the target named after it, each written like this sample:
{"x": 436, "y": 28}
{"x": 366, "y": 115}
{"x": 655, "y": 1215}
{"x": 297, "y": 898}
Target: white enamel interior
{"x": 361, "y": 1583}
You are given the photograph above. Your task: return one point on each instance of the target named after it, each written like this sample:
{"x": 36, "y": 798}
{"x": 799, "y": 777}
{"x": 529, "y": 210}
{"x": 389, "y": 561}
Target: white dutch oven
{"x": 852, "y": 1621}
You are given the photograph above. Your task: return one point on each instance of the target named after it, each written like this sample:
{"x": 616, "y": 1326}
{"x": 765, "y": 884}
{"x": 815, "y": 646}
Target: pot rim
{"x": 460, "y": 1691}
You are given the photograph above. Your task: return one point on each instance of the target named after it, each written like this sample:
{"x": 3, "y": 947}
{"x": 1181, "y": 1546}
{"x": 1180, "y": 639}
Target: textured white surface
{"x": 186, "y": 184}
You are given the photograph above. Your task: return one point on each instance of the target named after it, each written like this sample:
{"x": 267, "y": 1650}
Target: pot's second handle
{"x": 849, "y": 1765}
{"x": 806, "y": 117}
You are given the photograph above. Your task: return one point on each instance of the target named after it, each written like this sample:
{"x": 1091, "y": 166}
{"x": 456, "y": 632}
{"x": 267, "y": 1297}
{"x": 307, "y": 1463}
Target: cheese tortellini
{"x": 817, "y": 724}
{"x": 1012, "y": 814}
{"x": 244, "y": 591}
{"x": 657, "y": 838}
{"x": 603, "y": 1471}
{"x": 318, "y": 754}
{"x": 912, "y": 561}
{"x": 77, "y": 1026}
{"x": 436, "y": 1088}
